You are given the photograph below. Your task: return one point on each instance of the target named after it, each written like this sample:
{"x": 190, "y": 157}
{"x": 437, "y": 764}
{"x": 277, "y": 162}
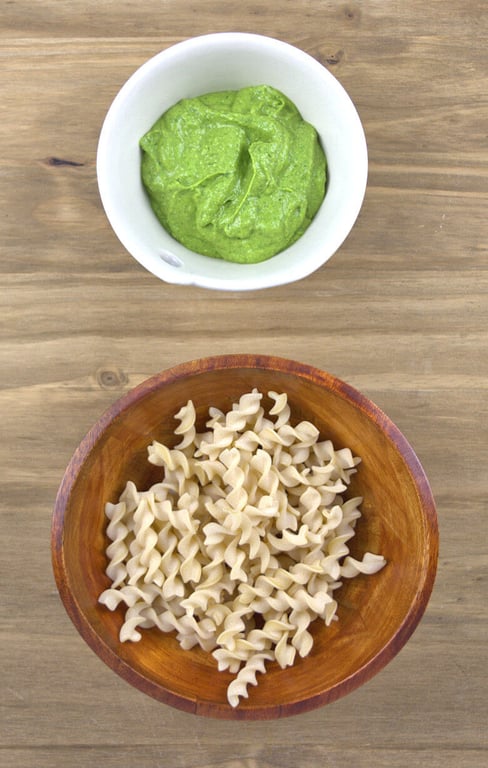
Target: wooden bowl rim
{"x": 334, "y": 384}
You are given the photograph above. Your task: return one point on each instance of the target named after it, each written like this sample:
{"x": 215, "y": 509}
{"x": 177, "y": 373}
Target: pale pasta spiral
{"x": 242, "y": 543}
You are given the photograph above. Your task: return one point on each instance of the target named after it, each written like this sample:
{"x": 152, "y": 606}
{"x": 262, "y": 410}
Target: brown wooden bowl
{"x": 376, "y": 614}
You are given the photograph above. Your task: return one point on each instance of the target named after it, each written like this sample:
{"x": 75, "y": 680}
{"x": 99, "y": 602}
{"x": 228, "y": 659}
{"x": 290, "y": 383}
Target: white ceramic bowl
{"x": 220, "y": 61}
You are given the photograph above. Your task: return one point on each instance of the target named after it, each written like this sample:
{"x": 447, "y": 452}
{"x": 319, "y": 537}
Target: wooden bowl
{"x": 376, "y": 614}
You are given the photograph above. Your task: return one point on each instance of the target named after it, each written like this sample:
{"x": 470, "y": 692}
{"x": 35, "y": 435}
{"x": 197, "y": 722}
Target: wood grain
{"x": 400, "y": 312}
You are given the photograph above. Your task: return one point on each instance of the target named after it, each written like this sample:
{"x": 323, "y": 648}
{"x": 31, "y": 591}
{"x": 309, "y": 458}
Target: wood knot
{"x": 334, "y": 58}
{"x": 352, "y": 14}
{"x": 59, "y": 161}
{"x": 111, "y": 378}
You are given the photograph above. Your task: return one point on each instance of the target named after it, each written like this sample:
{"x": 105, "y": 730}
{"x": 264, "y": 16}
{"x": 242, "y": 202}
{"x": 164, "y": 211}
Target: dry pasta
{"x": 242, "y": 543}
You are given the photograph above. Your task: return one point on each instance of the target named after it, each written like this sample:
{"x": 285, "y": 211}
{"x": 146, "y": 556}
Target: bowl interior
{"x": 218, "y": 62}
{"x": 376, "y": 613}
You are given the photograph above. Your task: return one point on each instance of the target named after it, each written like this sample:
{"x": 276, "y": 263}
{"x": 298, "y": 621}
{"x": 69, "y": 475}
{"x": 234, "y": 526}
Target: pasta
{"x": 242, "y": 543}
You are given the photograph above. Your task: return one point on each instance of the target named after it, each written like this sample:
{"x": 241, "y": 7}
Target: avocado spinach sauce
{"x": 235, "y": 175}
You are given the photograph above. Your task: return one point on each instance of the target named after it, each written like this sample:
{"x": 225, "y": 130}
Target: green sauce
{"x": 236, "y": 175}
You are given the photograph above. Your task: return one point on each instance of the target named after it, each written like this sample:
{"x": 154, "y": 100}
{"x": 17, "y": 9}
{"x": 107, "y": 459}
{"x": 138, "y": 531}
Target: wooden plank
{"x": 400, "y": 312}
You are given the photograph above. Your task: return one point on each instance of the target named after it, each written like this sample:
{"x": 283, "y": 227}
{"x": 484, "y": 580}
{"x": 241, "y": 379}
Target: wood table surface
{"x": 400, "y": 312}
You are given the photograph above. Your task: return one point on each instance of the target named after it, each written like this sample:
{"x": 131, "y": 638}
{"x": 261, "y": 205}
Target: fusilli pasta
{"x": 242, "y": 543}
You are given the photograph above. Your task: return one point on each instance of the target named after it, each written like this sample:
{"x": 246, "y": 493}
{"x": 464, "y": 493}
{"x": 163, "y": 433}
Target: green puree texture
{"x": 236, "y": 175}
